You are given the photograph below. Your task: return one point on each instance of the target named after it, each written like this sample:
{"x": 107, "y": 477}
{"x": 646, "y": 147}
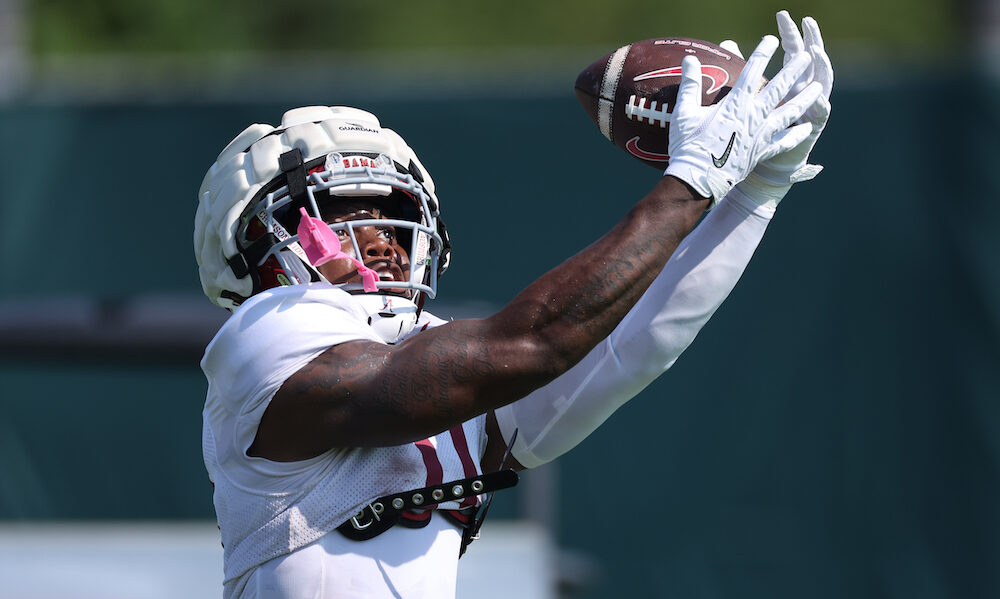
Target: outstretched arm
{"x": 697, "y": 279}
{"x": 360, "y": 394}
{"x": 363, "y": 393}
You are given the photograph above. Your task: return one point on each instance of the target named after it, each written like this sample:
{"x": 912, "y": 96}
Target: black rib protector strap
{"x": 382, "y": 513}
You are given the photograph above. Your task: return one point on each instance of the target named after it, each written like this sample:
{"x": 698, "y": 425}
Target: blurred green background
{"x": 97, "y": 26}
{"x": 833, "y": 432}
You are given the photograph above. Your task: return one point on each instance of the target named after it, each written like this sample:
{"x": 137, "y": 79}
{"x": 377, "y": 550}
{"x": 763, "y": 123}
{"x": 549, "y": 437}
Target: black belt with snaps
{"x": 385, "y": 512}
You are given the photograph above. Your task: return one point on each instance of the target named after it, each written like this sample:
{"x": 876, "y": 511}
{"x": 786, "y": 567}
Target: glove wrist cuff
{"x": 778, "y": 177}
{"x": 739, "y": 197}
{"x": 761, "y": 192}
{"x": 690, "y": 172}
{"x": 707, "y": 182}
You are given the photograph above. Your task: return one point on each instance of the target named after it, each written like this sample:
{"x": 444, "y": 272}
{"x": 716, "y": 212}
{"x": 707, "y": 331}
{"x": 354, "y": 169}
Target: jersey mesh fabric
{"x": 267, "y": 509}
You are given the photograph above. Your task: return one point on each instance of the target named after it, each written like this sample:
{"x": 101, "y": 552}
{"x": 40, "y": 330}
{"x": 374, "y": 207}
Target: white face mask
{"x": 392, "y": 318}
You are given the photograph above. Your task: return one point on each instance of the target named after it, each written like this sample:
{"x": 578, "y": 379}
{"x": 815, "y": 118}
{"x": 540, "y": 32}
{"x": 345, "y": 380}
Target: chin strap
{"x": 391, "y": 317}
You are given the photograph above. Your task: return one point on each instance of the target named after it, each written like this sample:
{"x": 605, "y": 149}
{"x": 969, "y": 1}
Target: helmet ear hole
{"x": 273, "y": 273}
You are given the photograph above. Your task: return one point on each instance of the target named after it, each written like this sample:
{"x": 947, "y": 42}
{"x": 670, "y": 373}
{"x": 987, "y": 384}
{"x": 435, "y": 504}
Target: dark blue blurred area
{"x": 833, "y": 432}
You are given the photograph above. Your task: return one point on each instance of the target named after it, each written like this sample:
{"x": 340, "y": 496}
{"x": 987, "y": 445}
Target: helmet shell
{"x": 250, "y": 163}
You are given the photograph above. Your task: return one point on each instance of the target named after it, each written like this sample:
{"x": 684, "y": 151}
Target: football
{"x": 630, "y": 93}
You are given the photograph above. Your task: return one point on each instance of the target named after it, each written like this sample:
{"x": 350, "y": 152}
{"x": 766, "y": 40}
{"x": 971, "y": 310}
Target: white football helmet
{"x": 245, "y": 235}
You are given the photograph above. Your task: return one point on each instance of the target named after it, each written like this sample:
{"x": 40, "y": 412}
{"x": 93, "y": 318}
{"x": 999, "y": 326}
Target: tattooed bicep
{"x": 363, "y": 393}
{"x": 348, "y": 367}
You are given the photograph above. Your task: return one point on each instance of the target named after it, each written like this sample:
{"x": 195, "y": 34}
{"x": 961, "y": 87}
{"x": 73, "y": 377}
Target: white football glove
{"x": 771, "y": 180}
{"x": 712, "y": 148}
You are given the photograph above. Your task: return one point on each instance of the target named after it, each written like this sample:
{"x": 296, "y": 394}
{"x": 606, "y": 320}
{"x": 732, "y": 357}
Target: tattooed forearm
{"x": 583, "y": 299}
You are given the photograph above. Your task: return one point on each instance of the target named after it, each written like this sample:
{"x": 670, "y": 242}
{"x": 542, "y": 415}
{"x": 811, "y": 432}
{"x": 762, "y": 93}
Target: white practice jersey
{"x": 275, "y": 517}
{"x": 271, "y": 509}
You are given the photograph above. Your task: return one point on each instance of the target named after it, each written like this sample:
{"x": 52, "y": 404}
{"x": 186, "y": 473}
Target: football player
{"x": 349, "y": 433}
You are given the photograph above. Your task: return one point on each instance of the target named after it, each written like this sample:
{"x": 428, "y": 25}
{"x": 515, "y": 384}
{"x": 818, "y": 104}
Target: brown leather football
{"x": 630, "y": 93}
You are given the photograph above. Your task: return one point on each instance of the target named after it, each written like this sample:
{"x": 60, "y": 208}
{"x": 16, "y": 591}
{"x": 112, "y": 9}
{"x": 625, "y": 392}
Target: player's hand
{"x": 772, "y": 178}
{"x": 712, "y": 148}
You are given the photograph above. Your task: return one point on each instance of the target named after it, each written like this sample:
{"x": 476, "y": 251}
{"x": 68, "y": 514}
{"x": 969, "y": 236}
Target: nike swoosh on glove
{"x": 714, "y": 147}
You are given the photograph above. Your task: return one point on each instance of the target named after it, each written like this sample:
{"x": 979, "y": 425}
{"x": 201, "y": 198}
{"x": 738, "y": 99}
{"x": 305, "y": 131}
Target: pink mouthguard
{"x": 321, "y": 245}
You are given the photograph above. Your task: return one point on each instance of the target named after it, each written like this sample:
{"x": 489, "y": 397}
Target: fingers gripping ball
{"x": 713, "y": 148}
{"x": 630, "y": 94}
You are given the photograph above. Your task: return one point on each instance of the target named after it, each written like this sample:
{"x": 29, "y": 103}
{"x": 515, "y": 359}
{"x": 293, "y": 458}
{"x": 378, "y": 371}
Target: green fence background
{"x": 833, "y": 432}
